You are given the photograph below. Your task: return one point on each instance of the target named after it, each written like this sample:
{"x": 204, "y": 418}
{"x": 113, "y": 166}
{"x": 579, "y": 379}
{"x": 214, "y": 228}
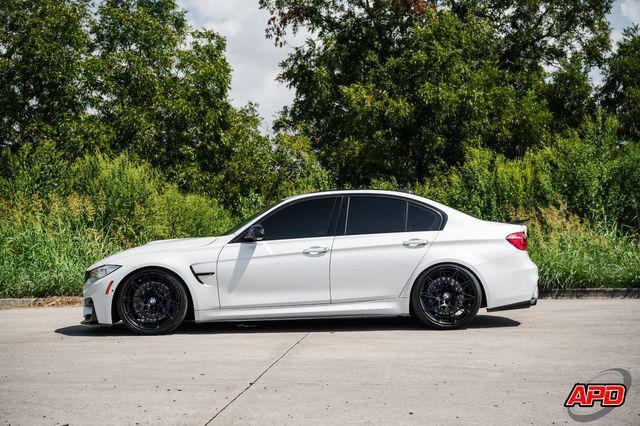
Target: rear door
{"x": 379, "y": 242}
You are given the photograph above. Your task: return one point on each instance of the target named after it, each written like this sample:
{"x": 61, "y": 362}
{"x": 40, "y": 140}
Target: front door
{"x": 289, "y": 267}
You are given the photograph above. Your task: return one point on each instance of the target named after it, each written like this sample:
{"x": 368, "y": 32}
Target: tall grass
{"x": 572, "y": 253}
{"x": 47, "y": 242}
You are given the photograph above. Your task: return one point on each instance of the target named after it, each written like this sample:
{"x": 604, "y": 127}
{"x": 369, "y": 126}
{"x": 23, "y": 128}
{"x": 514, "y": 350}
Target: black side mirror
{"x": 254, "y": 233}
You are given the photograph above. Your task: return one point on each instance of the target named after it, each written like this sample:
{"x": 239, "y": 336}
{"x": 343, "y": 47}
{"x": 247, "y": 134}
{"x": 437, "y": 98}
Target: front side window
{"x": 304, "y": 219}
{"x": 375, "y": 215}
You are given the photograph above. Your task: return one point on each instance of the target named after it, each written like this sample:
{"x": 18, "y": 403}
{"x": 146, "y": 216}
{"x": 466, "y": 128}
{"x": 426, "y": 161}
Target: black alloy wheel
{"x": 447, "y": 296}
{"x": 152, "y": 301}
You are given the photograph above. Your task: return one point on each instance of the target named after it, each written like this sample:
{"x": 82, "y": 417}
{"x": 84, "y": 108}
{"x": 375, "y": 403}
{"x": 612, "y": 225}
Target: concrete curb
{"x": 591, "y": 293}
{"x": 38, "y": 302}
{"x": 6, "y": 303}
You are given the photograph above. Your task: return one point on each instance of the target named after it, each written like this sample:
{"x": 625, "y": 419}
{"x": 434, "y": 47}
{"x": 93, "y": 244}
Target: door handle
{"x": 415, "y": 242}
{"x": 315, "y": 250}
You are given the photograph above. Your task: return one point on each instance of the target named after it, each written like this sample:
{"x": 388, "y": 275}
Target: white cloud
{"x": 253, "y": 58}
{"x": 616, "y": 37}
{"x": 631, "y": 10}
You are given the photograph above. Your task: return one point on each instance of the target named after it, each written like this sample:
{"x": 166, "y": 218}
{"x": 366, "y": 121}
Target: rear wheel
{"x": 152, "y": 301}
{"x": 446, "y": 296}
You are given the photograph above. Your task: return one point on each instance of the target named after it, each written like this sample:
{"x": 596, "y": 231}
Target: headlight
{"x": 98, "y": 273}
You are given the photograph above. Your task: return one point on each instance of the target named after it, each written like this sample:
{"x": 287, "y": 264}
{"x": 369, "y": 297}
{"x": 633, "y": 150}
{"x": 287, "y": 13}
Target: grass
{"x": 572, "y": 253}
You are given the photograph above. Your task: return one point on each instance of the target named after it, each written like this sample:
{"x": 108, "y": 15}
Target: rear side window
{"x": 422, "y": 219}
{"x": 375, "y": 215}
{"x": 305, "y": 219}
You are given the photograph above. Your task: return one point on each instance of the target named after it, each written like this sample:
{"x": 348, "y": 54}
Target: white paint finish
{"x": 375, "y": 266}
{"x": 270, "y": 273}
{"x": 280, "y": 275}
{"x": 513, "y": 279}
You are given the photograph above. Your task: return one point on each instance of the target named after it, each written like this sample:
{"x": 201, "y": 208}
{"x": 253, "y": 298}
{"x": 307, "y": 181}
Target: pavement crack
{"x": 256, "y": 379}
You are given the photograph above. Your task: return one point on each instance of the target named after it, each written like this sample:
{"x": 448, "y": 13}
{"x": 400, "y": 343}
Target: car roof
{"x": 399, "y": 193}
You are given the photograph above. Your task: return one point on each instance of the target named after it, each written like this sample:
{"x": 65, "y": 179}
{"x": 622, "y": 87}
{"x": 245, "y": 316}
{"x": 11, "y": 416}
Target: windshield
{"x": 245, "y": 221}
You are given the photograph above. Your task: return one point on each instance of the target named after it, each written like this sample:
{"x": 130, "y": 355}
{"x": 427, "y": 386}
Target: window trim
{"x": 438, "y": 212}
{"x": 332, "y": 229}
{"x": 344, "y": 201}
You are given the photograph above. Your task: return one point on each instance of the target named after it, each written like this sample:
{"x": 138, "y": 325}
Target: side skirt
{"x": 371, "y": 308}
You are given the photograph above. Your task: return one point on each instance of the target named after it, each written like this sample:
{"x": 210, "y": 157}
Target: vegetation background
{"x": 116, "y": 126}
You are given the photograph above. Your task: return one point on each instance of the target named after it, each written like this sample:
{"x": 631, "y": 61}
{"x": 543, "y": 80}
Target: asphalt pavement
{"x": 512, "y": 367}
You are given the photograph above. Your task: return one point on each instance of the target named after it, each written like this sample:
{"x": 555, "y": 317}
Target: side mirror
{"x": 254, "y": 233}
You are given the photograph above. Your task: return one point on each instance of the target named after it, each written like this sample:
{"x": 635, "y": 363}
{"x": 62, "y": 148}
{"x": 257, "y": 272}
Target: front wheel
{"x": 152, "y": 301}
{"x": 447, "y": 296}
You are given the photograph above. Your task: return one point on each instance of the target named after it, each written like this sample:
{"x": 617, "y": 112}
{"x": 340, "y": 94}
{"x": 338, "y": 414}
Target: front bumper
{"x": 98, "y": 298}
{"x": 89, "y": 313}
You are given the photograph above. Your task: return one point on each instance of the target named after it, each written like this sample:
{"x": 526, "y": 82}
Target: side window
{"x": 375, "y": 215}
{"x": 422, "y": 219}
{"x": 305, "y": 219}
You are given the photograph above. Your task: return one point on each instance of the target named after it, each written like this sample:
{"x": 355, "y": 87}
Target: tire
{"x": 446, "y": 296}
{"x": 152, "y": 301}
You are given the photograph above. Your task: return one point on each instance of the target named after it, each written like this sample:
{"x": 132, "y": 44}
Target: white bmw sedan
{"x": 329, "y": 254}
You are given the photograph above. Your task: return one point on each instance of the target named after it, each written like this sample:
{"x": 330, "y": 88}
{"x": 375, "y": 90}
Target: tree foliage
{"x": 621, "y": 90}
{"x": 402, "y": 88}
{"x": 132, "y": 76}
{"x": 43, "y": 51}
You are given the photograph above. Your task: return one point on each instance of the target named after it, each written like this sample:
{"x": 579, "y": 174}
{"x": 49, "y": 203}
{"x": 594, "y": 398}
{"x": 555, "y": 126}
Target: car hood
{"x": 155, "y": 246}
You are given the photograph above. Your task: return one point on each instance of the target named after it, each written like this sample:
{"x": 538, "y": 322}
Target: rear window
{"x": 422, "y": 219}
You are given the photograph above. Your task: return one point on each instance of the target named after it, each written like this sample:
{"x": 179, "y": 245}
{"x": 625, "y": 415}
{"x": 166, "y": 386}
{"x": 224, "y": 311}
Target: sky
{"x": 255, "y": 60}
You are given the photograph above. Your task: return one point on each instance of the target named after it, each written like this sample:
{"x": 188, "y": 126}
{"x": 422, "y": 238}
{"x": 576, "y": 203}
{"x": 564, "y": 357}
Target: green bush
{"x": 572, "y": 253}
{"x": 590, "y": 175}
{"x": 47, "y": 241}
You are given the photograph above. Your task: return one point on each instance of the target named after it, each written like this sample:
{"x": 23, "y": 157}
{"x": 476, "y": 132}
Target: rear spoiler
{"x": 522, "y": 223}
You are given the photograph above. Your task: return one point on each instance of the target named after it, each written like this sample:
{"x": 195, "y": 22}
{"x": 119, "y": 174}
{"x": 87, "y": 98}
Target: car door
{"x": 382, "y": 242}
{"x": 290, "y": 266}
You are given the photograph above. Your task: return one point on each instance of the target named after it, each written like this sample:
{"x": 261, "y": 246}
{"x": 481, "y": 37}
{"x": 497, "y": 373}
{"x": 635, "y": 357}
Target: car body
{"x": 354, "y": 253}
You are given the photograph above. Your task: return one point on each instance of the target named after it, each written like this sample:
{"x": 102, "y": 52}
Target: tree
{"x": 534, "y": 33}
{"x": 43, "y": 52}
{"x": 621, "y": 88}
{"x": 164, "y": 98}
{"x": 400, "y": 89}
{"x": 569, "y": 95}
{"x": 263, "y": 167}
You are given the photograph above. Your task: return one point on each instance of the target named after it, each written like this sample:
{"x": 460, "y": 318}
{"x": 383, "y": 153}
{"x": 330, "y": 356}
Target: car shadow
{"x": 291, "y": 326}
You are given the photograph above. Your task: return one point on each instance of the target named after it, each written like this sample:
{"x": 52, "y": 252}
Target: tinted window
{"x": 422, "y": 219}
{"x": 375, "y": 215}
{"x": 300, "y": 220}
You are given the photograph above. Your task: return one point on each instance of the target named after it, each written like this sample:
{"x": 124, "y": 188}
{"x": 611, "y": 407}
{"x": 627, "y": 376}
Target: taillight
{"x": 518, "y": 240}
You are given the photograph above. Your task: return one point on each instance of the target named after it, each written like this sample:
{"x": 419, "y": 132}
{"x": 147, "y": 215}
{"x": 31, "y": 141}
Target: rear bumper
{"x": 510, "y": 282}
